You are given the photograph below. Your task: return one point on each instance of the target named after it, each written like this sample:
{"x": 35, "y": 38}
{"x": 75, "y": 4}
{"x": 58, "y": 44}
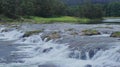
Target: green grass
{"x": 3, "y": 18}
{"x": 35, "y": 19}
{"x": 66, "y": 19}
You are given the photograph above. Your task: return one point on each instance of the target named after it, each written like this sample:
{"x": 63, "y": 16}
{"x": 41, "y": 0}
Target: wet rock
{"x": 90, "y": 32}
{"x": 83, "y": 55}
{"x": 29, "y": 33}
{"x": 6, "y": 30}
{"x": 47, "y": 49}
{"x": 88, "y": 65}
{"x": 115, "y": 34}
{"x": 91, "y": 53}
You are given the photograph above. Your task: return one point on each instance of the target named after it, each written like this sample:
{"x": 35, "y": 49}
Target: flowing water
{"x": 32, "y": 51}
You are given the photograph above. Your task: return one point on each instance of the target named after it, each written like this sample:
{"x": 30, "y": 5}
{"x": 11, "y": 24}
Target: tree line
{"x": 54, "y": 8}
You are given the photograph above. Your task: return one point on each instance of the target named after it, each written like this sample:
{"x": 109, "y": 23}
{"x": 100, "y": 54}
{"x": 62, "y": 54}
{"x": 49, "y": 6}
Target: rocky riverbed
{"x": 59, "y": 38}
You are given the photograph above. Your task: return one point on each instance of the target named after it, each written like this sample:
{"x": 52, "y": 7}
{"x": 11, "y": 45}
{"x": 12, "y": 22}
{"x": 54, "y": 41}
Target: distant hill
{"x": 76, "y": 2}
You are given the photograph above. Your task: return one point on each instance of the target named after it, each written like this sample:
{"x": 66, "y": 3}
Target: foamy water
{"x": 40, "y": 52}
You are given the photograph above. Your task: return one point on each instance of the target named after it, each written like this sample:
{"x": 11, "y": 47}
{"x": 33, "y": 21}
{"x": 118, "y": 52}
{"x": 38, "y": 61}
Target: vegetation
{"x": 115, "y": 34}
{"x": 55, "y": 11}
{"x": 60, "y": 19}
{"x": 113, "y": 9}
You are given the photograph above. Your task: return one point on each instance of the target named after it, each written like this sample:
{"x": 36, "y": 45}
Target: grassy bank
{"x": 63, "y": 19}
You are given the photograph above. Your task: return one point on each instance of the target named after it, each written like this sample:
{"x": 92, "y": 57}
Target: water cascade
{"x": 36, "y": 52}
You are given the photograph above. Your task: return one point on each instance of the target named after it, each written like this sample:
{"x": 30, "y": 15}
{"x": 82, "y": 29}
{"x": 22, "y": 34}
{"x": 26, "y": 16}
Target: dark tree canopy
{"x": 53, "y": 8}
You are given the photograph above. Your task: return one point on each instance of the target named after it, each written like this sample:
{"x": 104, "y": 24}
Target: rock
{"x": 88, "y": 65}
{"x": 115, "y": 34}
{"x": 90, "y": 32}
{"x": 51, "y": 35}
{"x": 29, "y": 33}
{"x": 6, "y": 30}
{"x": 47, "y": 49}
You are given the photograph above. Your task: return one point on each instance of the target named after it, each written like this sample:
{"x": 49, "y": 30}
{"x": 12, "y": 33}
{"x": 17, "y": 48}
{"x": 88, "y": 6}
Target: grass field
{"x": 64, "y": 19}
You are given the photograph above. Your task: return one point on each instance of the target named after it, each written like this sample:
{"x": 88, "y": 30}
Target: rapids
{"x": 32, "y": 51}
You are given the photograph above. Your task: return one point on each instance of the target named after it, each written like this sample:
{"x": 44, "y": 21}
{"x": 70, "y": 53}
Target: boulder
{"x": 29, "y": 33}
{"x": 51, "y": 35}
{"x": 115, "y": 34}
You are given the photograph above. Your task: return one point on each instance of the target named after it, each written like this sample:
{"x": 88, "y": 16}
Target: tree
{"x": 91, "y": 11}
{"x": 48, "y": 8}
{"x": 113, "y": 9}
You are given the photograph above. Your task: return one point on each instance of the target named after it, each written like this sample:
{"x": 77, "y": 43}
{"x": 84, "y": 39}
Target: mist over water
{"x": 35, "y": 52}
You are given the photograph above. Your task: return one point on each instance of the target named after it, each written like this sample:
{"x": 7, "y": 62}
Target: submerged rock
{"x": 115, "y": 34}
{"x": 47, "y": 65}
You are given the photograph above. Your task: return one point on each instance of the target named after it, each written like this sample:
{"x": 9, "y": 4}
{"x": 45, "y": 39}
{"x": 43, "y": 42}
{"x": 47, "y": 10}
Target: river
{"x": 68, "y": 51}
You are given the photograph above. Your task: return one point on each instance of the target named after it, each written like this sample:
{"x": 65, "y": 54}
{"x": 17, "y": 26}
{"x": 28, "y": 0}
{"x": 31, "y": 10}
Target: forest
{"x": 16, "y": 9}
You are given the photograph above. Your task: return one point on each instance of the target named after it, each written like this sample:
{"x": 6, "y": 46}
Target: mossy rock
{"x": 29, "y": 33}
{"x": 115, "y": 34}
{"x": 53, "y": 35}
{"x": 90, "y": 32}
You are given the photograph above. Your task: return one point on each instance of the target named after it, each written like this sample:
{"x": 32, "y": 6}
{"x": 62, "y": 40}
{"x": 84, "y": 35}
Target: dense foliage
{"x": 53, "y": 8}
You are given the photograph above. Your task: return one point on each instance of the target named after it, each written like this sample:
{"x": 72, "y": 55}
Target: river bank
{"x": 42, "y": 20}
